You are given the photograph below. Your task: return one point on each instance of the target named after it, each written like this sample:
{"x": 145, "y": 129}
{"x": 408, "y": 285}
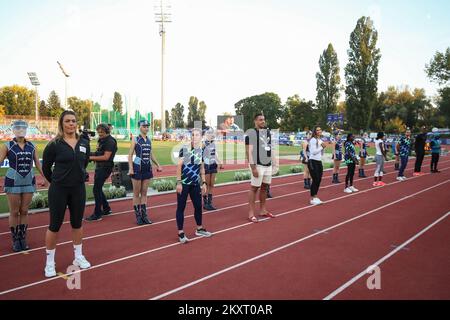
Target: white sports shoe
{"x": 399, "y": 179}
{"x": 50, "y": 270}
{"x": 348, "y": 190}
{"x": 203, "y": 233}
{"x": 316, "y": 202}
{"x": 182, "y": 238}
{"x": 353, "y": 189}
{"x": 81, "y": 262}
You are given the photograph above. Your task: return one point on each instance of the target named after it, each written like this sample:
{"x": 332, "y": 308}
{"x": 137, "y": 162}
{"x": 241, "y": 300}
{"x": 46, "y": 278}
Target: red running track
{"x": 311, "y": 268}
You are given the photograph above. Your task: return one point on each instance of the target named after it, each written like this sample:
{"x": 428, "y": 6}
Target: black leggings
{"x": 59, "y": 198}
{"x": 434, "y": 161}
{"x": 350, "y": 173}
{"x": 195, "y": 193}
{"x": 316, "y": 170}
{"x": 419, "y": 159}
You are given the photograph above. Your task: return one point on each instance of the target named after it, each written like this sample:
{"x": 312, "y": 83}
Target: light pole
{"x": 66, "y": 75}
{"x": 162, "y": 16}
{"x": 35, "y": 82}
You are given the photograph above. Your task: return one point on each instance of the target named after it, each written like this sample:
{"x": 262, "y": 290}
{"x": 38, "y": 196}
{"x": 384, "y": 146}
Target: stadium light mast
{"x": 66, "y": 75}
{"x": 35, "y": 82}
{"x": 162, "y": 16}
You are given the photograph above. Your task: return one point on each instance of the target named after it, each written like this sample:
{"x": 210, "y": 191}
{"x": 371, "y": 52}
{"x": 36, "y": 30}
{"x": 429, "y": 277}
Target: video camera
{"x": 87, "y": 134}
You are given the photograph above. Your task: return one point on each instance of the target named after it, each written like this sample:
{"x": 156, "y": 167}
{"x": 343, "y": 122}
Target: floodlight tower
{"x": 66, "y": 76}
{"x": 35, "y": 82}
{"x": 162, "y": 16}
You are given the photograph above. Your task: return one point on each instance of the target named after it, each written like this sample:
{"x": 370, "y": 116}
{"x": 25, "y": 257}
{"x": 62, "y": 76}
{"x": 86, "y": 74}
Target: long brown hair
{"x": 314, "y": 135}
{"x": 60, "y": 134}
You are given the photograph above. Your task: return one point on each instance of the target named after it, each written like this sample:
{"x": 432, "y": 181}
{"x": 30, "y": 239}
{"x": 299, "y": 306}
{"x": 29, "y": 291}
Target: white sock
{"x": 50, "y": 256}
{"x": 78, "y": 250}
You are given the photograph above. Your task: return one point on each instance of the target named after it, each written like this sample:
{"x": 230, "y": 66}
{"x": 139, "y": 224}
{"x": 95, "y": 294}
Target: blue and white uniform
{"x": 363, "y": 151}
{"x": 338, "y": 150}
{"x": 20, "y": 175}
{"x": 302, "y": 154}
{"x": 210, "y": 157}
{"x": 142, "y": 164}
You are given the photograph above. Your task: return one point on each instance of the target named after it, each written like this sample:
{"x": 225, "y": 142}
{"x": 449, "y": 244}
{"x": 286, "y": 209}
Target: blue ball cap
{"x": 143, "y": 123}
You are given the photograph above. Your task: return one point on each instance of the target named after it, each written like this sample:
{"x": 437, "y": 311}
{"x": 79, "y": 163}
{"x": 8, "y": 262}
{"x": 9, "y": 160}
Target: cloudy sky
{"x": 218, "y": 50}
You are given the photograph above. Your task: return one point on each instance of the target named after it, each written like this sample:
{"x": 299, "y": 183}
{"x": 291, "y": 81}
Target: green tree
{"x": 361, "y": 74}
{"x": 202, "y": 113}
{"x": 298, "y": 114}
{"x": 2, "y": 110}
{"x": 157, "y": 124}
{"x": 54, "y": 105}
{"x": 17, "y": 100}
{"x": 117, "y": 102}
{"x": 177, "y": 114}
{"x": 193, "y": 114}
{"x": 167, "y": 119}
{"x": 444, "y": 106}
{"x": 83, "y": 110}
{"x": 268, "y": 103}
{"x": 43, "y": 109}
{"x": 328, "y": 84}
{"x": 439, "y": 68}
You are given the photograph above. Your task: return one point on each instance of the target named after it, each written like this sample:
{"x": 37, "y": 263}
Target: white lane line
{"x": 193, "y": 283}
{"x": 383, "y": 259}
{"x": 218, "y": 232}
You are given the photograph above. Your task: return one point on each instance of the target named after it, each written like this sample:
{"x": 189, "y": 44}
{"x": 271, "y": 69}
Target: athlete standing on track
{"x": 190, "y": 176}
{"x": 20, "y": 182}
{"x": 363, "y": 154}
{"x": 211, "y": 162}
{"x": 304, "y": 158}
{"x": 352, "y": 162}
{"x": 402, "y": 151}
{"x": 435, "y": 145}
{"x": 337, "y": 156}
{"x": 419, "y": 146}
{"x": 380, "y": 157}
{"x": 140, "y": 171}
{"x": 69, "y": 152}
{"x": 316, "y": 149}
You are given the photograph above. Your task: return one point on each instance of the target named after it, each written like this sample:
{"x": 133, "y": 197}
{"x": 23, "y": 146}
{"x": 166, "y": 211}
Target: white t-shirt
{"x": 377, "y": 146}
{"x": 315, "y": 152}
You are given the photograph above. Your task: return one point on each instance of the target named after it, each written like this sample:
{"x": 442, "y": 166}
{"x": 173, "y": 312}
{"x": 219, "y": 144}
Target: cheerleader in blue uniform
{"x": 211, "y": 162}
{"x": 337, "y": 156}
{"x": 140, "y": 171}
{"x": 20, "y": 182}
{"x": 363, "y": 154}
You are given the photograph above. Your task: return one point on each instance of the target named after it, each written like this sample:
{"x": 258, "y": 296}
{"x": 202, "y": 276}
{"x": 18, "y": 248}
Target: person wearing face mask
{"x": 104, "y": 163}
{"x": 20, "y": 182}
{"x": 69, "y": 153}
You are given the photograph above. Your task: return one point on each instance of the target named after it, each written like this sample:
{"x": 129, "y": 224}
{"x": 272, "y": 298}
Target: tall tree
{"x": 177, "y": 114}
{"x": 328, "y": 84}
{"x": 439, "y": 68}
{"x": 17, "y": 100}
{"x": 157, "y": 124}
{"x": 167, "y": 119}
{"x": 361, "y": 74}
{"x": 43, "y": 109}
{"x": 268, "y": 103}
{"x": 83, "y": 110}
{"x": 193, "y": 114}
{"x": 117, "y": 102}
{"x": 202, "y": 113}
{"x": 54, "y": 105}
{"x": 298, "y": 114}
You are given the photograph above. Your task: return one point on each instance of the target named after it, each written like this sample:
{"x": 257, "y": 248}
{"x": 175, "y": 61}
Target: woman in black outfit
{"x": 69, "y": 153}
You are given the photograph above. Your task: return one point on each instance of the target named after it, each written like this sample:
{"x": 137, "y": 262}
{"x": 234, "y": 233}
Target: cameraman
{"x": 104, "y": 159}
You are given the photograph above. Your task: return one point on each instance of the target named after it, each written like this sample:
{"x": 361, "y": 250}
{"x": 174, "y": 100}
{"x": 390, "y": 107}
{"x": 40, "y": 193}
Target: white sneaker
{"x": 353, "y": 189}
{"x": 316, "y": 202}
{"x": 348, "y": 190}
{"x": 50, "y": 270}
{"x": 182, "y": 237}
{"x": 203, "y": 233}
{"x": 404, "y": 178}
{"x": 81, "y": 262}
{"x": 399, "y": 179}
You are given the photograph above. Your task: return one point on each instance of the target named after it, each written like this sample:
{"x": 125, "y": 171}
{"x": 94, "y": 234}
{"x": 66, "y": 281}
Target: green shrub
{"x": 114, "y": 193}
{"x": 39, "y": 201}
{"x": 331, "y": 165}
{"x": 296, "y": 169}
{"x": 242, "y": 175}
{"x": 162, "y": 185}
